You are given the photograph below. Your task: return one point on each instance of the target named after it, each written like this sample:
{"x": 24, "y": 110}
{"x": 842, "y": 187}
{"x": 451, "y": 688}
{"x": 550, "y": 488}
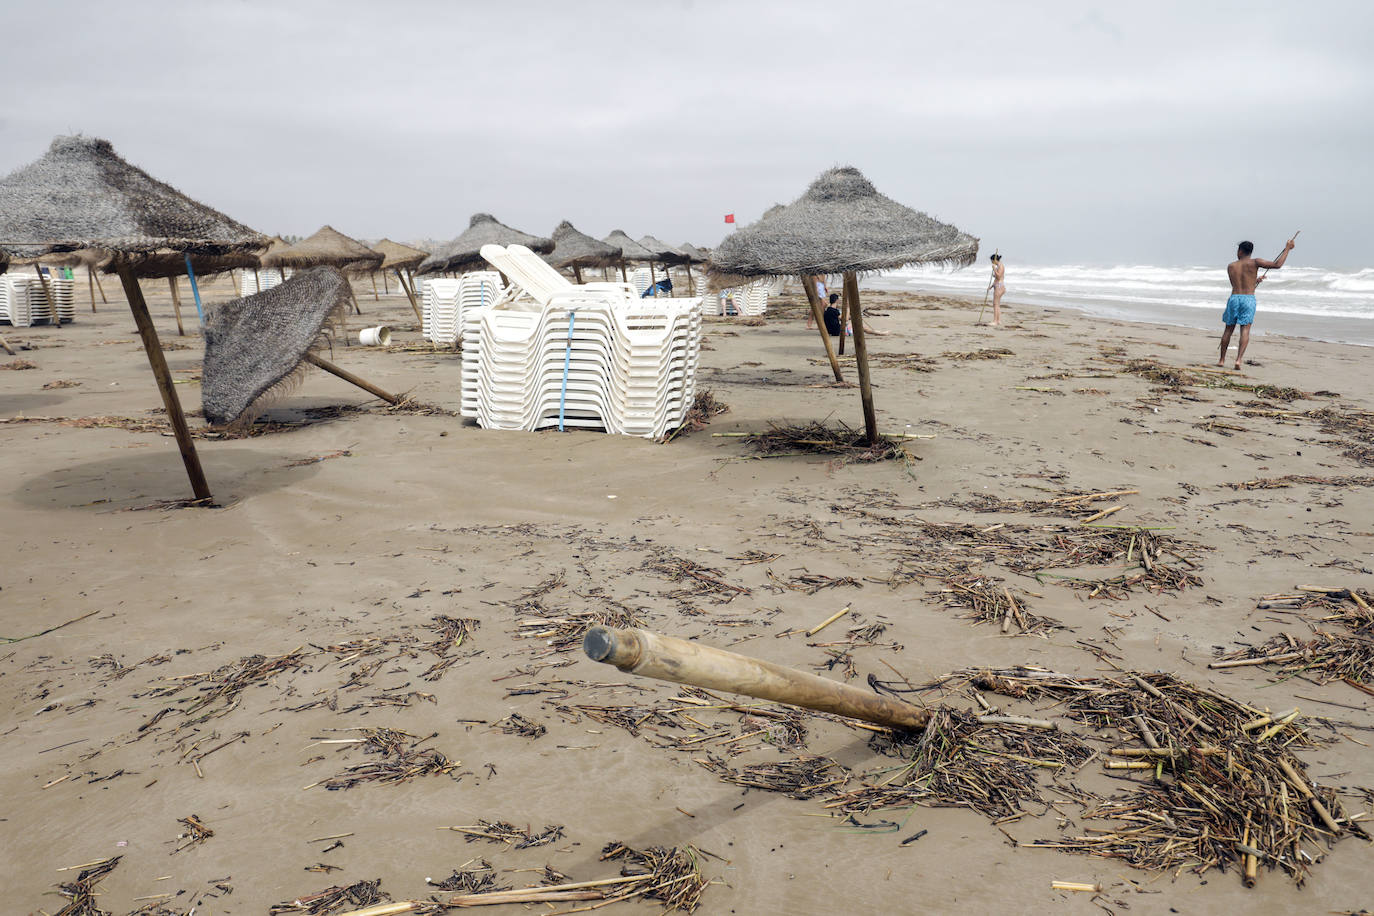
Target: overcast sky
{"x": 1063, "y": 132}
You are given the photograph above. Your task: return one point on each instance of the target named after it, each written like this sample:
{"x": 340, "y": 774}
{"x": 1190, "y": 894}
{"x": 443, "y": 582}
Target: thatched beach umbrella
{"x": 630, "y": 250}
{"x": 398, "y": 258}
{"x": 465, "y": 252}
{"x": 328, "y": 247}
{"x": 256, "y": 346}
{"x": 840, "y": 225}
{"x": 578, "y": 250}
{"x": 81, "y": 195}
{"x": 694, "y": 254}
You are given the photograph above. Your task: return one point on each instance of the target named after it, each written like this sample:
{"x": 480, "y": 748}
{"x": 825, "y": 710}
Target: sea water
{"x": 1314, "y": 302}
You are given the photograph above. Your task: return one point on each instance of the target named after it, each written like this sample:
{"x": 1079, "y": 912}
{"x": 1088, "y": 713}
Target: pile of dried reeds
{"x": 985, "y": 353}
{"x": 221, "y": 689}
{"x": 1328, "y": 656}
{"x": 705, "y": 406}
{"x": 334, "y": 899}
{"x": 816, "y": 438}
{"x": 1289, "y": 480}
{"x": 81, "y": 893}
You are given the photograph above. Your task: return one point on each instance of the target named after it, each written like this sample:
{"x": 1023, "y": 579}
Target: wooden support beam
{"x": 851, "y": 289}
{"x": 818, "y": 312}
{"x": 352, "y": 379}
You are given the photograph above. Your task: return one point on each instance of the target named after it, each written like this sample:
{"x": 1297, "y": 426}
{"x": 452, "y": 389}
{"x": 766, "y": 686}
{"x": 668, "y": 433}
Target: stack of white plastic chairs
{"x": 551, "y": 354}
{"x": 642, "y": 278}
{"x": 749, "y": 301}
{"x": 447, "y": 302}
{"x": 439, "y": 314}
{"x": 264, "y": 278}
{"x": 24, "y": 301}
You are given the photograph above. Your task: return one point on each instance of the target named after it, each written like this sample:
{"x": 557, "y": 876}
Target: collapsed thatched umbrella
{"x": 465, "y": 252}
{"x": 81, "y": 195}
{"x": 578, "y": 250}
{"x": 398, "y": 258}
{"x": 630, "y": 250}
{"x": 840, "y": 225}
{"x": 257, "y": 345}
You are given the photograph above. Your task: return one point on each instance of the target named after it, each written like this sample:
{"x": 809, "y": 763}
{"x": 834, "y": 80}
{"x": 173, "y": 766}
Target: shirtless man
{"x": 1240, "y": 308}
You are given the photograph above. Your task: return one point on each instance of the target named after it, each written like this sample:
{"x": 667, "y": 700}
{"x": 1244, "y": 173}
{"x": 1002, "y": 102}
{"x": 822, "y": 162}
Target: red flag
{"x": 729, "y": 217}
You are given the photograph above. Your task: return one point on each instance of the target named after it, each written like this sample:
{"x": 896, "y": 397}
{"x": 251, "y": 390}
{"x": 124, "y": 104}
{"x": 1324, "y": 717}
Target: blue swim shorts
{"x": 1240, "y": 309}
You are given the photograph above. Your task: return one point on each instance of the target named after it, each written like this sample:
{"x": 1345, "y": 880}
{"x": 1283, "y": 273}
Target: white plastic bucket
{"x": 375, "y": 337}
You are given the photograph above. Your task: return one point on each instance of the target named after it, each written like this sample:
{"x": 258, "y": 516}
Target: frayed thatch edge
{"x": 285, "y": 386}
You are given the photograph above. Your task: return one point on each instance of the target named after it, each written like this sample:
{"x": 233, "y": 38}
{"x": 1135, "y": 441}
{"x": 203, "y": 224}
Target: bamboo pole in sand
{"x": 818, "y": 311}
{"x": 665, "y": 658}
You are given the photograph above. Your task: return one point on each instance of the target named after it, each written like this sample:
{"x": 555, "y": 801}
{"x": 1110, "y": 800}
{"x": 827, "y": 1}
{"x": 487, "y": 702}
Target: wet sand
{"x": 342, "y": 563}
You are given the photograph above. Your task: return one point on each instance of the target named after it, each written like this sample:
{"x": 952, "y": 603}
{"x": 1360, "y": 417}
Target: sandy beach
{"x": 370, "y": 569}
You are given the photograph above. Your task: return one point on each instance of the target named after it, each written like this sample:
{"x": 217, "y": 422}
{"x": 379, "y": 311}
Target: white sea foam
{"x": 1306, "y": 301}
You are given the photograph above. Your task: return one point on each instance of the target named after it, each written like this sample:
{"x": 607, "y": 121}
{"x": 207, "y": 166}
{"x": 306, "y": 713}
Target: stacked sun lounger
{"x": 253, "y": 282}
{"x": 447, "y": 302}
{"x": 750, "y": 301}
{"x": 24, "y": 301}
{"x": 559, "y": 355}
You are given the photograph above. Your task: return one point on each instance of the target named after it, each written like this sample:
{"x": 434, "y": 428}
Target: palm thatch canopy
{"x": 577, "y": 249}
{"x": 630, "y": 250}
{"x": 694, "y": 254}
{"x": 663, "y": 251}
{"x": 328, "y": 247}
{"x": 81, "y": 195}
{"x": 840, "y": 224}
{"x": 255, "y": 344}
{"x": 397, "y": 256}
{"x": 465, "y": 252}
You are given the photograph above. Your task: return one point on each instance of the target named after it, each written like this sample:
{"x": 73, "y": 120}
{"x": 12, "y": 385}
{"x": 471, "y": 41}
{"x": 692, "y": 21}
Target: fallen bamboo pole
{"x": 349, "y": 377}
{"x": 665, "y": 658}
{"x": 8, "y": 349}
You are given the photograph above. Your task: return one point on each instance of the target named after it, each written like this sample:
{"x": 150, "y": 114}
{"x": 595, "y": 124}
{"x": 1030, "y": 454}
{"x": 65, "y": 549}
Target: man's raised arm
{"x": 1275, "y": 264}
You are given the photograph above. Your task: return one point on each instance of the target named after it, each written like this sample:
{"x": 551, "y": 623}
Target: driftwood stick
{"x": 1263, "y": 660}
{"x": 8, "y": 349}
{"x": 665, "y": 658}
{"x": 349, "y": 377}
{"x": 1301, "y": 785}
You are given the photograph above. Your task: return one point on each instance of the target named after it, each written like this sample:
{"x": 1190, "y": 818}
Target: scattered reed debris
{"x": 986, "y": 602}
{"x": 670, "y": 875}
{"x": 220, "y": 690}
{"x": 1291, "y": 480}
{"x": 196, "y": 833}
{"x": 1070, "y": 505}
{"x": 1327, "y": 656}
{"x": 985, "y": 353}
{"x": 18, "y": 365}
{"x": 702, "y": 581}
{"x": 402, "y": 757}
{"x": 509, "y": 834}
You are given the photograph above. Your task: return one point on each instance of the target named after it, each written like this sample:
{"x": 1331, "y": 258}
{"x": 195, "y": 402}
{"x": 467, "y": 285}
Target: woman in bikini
{"x": 999, "y": 286}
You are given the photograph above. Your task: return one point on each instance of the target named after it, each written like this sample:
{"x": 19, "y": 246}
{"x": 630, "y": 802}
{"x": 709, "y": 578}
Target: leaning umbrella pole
{"x": 410, "y": 294}
{"x": 158, "y": 363}
{"x": 818, "y": 310}
{"x": 352, "y": 379}
{"x": 851, "y": 294}
{"x": 668, "y": 659}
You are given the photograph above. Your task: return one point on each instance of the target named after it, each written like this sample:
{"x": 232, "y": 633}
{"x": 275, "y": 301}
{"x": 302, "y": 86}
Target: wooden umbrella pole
{"x": 818, "y": 311}
{"x": 386, "y": 289}
{"x": 577, "y": 274}
{"x": 100, "y": 286}
{"x": 400, "y": 278}
{"x": 90, "y": 287}
{"x": 347, "y": 376}
{"x": 653, "y": 281}
{"x": 851, "y": 290}
{"x": 624, "y": 278}
{"x": 8, "y": 349}
{"x": 844, "y": 316}
{"x": 176, "y": 304}
{"x": 667, "y": 659}
{"x": 153, "y": 347}
{"x": 47, "y": 293}
{"x": 691, "y": 286}
{"x": 375, "y": 297}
